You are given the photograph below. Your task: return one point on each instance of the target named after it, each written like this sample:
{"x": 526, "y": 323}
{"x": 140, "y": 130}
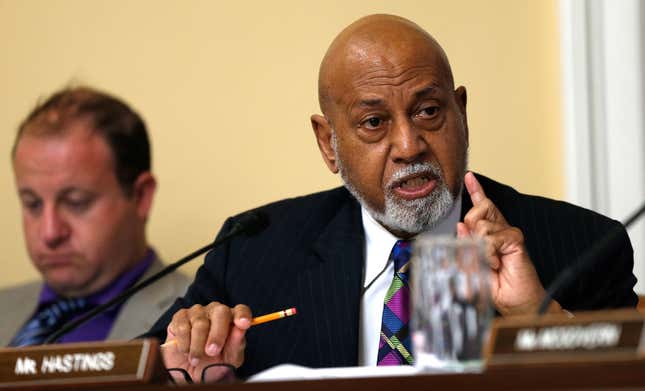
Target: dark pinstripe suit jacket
{"x": 311, "y": 257}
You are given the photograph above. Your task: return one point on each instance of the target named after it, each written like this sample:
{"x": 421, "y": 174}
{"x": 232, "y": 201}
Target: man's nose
{"x": 54, "y": 228}
{"x": 408, "y": 144}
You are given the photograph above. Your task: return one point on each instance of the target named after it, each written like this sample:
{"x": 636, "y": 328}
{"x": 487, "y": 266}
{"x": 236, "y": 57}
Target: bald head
{"x": 394, "y": 126}
{"x": 382, "y": 40}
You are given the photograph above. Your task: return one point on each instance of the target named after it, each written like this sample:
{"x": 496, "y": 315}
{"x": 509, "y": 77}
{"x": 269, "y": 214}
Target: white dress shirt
{"x": 378, "y": 245}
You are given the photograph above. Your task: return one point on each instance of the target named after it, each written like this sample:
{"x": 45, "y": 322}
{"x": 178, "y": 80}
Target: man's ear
{"x": 143, "y": 193}
{"x": 462, "y": 98}
{"x": 323, "y": 132}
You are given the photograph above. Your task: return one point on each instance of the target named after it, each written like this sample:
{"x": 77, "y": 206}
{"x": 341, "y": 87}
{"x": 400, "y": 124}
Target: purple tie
{"x": 394, "y": 344}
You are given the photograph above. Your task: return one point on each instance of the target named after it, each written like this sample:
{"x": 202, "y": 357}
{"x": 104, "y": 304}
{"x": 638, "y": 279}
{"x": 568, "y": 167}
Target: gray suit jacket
{"x": 136, "y": 316}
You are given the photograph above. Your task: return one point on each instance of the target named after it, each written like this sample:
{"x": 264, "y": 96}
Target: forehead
{"x": 76, "y": 157}
{"x": 389, "y": 68}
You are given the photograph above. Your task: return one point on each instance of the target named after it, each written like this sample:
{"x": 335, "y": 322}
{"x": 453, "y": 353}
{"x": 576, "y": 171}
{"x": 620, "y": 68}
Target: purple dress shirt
{"x": 98, "y": 328}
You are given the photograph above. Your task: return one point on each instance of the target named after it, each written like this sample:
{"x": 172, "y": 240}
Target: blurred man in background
{"x": 82, "y": 168}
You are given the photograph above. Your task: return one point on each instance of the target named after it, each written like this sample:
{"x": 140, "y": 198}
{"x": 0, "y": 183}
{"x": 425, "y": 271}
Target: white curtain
{"x": 602, "y": 63}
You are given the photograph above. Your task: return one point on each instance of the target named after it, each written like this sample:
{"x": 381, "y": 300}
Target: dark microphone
{"x": 599, "y": 251}
{"x": 249, "y": 223}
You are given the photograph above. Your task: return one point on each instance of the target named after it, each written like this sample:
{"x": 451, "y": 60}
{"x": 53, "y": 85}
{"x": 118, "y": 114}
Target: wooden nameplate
{"x": 81, "y": 364}
{"x": 556, "y": 339}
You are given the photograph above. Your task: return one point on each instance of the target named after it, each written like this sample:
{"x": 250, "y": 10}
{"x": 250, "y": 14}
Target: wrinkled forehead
{"x": 381, "y": 54}
{"x": 396, "y": 62}
{"x": 382, "y": 73}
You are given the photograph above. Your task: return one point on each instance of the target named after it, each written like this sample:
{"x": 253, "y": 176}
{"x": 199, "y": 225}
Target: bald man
{"x": 394, "y": 127}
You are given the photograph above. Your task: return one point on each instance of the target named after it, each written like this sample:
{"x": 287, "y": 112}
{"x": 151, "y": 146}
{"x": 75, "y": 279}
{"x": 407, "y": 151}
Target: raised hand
{"x": 516, "y": 288}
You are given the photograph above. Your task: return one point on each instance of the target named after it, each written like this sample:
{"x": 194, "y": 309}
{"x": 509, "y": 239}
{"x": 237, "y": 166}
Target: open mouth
{"x": 415, "y": 182}
{"x": 415, "y": 186}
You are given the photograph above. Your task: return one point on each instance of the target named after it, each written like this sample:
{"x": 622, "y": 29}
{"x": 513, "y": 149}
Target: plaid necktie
{"x": 394, "y": 344}
{"x": 48, "y": 320}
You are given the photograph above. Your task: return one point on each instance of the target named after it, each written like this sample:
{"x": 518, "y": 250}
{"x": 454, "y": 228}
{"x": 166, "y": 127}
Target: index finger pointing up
{"x": 474, "y": 188}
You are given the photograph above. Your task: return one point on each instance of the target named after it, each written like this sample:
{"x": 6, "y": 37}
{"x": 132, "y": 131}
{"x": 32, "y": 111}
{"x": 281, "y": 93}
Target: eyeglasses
{"x": 213, "y": 373}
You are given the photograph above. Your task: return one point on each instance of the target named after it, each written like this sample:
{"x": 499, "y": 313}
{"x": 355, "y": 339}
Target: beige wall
{"x": 227, "y": 89}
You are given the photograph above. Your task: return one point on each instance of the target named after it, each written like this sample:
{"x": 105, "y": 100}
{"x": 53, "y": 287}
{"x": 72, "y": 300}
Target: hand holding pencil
{"x": 255, "y": 321}
{"x": 273, "y": 316}
{"x": 214, "y": 334}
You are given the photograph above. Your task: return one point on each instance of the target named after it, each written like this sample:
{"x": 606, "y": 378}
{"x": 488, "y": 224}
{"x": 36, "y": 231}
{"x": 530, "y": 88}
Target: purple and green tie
{"x": 394, "y": 344}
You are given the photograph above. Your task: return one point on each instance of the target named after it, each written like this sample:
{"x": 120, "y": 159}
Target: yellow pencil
{"x": 255, "y": 321}
{"x": 273, "y": 316}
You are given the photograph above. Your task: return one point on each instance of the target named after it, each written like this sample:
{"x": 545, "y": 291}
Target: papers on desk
{"x": 286, "y": 372}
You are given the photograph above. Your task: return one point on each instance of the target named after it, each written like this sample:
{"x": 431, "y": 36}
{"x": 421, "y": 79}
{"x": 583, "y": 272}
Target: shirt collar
{"x": 379, "y": 241}
{"x": 121, "y": 283}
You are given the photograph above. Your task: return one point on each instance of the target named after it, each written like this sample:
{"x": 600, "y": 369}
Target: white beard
{"x": 409, "y": 216}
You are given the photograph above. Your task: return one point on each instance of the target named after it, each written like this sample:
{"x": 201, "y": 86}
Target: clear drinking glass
{"x": 451, "y": 303}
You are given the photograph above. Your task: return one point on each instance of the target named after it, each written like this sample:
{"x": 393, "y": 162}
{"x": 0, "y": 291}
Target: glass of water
{"x": 451, "y": 303}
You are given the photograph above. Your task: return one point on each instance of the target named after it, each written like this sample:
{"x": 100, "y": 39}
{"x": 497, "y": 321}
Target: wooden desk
{"x": 615, "y": 375}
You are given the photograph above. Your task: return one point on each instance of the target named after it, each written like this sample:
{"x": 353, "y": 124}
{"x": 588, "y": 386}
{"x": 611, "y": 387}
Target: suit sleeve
{"x": 614, "y": 278}
{"x": 207, "y": 286}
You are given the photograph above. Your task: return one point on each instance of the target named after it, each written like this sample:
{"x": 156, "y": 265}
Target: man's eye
{"x": 78, "y": 205}
{"x": 32, "y": 206}
{"x": 372, "y": 123}
{"x": 428, "y": 112}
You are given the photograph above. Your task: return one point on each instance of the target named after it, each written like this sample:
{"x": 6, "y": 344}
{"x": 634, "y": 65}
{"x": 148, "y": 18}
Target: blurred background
{"x": 227, "y": 88}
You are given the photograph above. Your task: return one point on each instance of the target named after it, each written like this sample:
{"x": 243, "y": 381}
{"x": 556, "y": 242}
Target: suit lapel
{"x": 343, "y": 237}
{"x": 14, "y": 316}
{"x": 140, "y": 312}
{"x": 330, "y": 288}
